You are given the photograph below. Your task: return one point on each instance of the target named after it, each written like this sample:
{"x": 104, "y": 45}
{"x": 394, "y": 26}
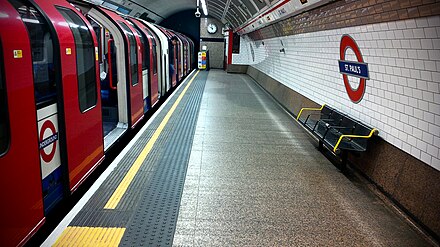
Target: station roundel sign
{"x": 50, "y": 140}
{"x": 353, "y": 68}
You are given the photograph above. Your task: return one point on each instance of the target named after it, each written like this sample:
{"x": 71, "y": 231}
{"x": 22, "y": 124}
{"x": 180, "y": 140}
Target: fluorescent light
{"x": 205, "y": 10}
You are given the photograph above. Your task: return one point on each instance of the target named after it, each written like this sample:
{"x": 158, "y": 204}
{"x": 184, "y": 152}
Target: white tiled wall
{"x": 402, "y": 97}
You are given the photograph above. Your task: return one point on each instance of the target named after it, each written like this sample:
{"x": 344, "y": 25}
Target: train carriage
{"x": 149, "y": 64}
{"x": 74, "y": 77}
{"x": 164, "y": 57}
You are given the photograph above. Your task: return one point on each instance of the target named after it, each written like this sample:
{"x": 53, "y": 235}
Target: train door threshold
{"x": 114, "y": 135}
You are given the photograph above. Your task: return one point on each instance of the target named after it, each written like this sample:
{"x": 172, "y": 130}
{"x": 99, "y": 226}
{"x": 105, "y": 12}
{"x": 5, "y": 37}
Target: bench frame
{"x": 336, "y": 148}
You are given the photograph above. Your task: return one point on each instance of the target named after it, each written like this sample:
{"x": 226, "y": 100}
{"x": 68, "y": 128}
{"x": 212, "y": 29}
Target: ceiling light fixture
{"x": 197, "y": 14}
{"x": 204, "y": 8}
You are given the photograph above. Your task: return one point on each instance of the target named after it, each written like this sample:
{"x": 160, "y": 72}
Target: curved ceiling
{"x": 231, "y": 12}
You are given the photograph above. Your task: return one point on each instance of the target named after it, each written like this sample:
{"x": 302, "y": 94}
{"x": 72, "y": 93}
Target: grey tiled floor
{"x": 256, "y": 179}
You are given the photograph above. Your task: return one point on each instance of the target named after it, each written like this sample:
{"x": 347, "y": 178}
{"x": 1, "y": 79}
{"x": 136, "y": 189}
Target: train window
{"x": 145, "y": 45}
{"x": 154, "y": 57}
{"x": 42, "y": 45}
{"x": 146, "y": 53}
{"x": 85, "y": 59}
{"x": 4, "y": 123}
{"x": 154, "y": 51}
{"x": 133, "y": 54}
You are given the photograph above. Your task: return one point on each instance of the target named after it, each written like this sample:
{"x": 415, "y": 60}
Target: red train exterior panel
{"x": 22, "y": 204}
{"x": 84, "y": 139}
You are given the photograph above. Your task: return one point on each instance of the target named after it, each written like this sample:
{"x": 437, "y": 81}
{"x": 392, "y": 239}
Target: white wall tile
{"x": 435, "y": 163}
{"x": 422, "y": 22}
{"x": 400, "y": 24}
{"x": 434, "y": 21}
{"x": 430, "y": 32}
{"x": 426, "y": 44}
{"x": 421, "y": 104}
{"x": 437, "y": 141}
{"x": 421, "y": 145}
{"x": 436, "y": 43}
{"x": 429, "y": 138}
{"x": 410, "y": 24}
{"x": 434, "y": 55}
{"x": 422, "y": 54}
{"x": 419, "y": 64}
{"x": 426, "y": 158}
{"x": 430, "y": 65}
{"x": 415, "y": 152}
{"x": 429, "y": 117}
{"x": 433, "y": 150}
{"x": 434, "y": 108}
{"x": 412, "y": 140}
{"x": 408, "y": 33}
{"x": 415, "y": 44}
{"x": 419, "y": 34}
{"x": 434, "y": 129}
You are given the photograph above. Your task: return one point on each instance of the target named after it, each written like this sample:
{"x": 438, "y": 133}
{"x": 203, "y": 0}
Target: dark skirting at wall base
{"x": 410, "y": 183}
{"x": 237, "y": 68}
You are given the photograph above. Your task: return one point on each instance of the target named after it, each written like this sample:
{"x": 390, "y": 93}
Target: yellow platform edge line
{"x": 90, "y": 236}
{"x": 128, "y": 178}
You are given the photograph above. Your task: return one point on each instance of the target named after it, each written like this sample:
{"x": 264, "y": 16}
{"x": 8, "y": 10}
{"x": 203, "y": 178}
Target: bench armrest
{"x": 336, "y": 149}
{"x": 309, "y": 109}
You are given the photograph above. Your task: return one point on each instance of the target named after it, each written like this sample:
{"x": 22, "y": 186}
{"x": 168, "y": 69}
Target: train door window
{"x": 4, "y": 123}
{"x": 98, "y": 32}
{"x": 42, "y": 44}
{"x": 85, "y": 59}
{"x": 145, "y": 45}
{"x": 133, "y": 54}
{"x": 154, "y": 52}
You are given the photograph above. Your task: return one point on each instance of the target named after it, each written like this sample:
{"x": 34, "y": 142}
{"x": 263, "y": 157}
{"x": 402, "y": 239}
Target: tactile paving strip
{"x": 156, "y": 214}
{"x": 93, "y": 214}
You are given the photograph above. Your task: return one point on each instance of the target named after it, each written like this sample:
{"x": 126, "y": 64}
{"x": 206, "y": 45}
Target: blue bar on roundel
{"x": 354, "y": 69}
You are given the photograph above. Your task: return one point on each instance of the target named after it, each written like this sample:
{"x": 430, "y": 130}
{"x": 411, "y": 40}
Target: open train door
{"x": 79, "y": 104}
{"x": 133, "y": 80}
{"x": 120, "y": 57}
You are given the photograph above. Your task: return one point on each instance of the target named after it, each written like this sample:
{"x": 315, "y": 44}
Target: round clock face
{"x": 212, "y": 28}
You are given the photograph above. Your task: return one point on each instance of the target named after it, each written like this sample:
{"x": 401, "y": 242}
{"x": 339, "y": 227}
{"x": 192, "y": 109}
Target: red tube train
{"x": 74, "y": 78}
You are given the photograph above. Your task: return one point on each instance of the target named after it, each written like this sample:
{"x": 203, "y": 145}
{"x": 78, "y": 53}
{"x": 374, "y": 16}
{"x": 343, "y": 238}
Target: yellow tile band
{"x": 123, "y": 186}
{"x": 90, "y": 236}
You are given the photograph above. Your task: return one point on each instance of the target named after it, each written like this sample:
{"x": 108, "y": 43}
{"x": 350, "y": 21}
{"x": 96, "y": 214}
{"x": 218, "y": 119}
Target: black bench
{"x": 337, "y": 131}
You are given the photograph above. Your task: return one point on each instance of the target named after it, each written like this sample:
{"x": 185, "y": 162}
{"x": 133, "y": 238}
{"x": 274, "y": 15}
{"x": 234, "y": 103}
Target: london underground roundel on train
{"x": 51, "y": 140}
{"x": 357, "y": 69}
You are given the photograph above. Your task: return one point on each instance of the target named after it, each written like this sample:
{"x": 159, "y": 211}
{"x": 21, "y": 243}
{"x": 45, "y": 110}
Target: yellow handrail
{"x": 373, "y": 131}
{"x": 309, "y": 109}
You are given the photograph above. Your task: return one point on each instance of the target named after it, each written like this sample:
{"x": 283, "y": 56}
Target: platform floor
{"x": 230, "y": 168}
